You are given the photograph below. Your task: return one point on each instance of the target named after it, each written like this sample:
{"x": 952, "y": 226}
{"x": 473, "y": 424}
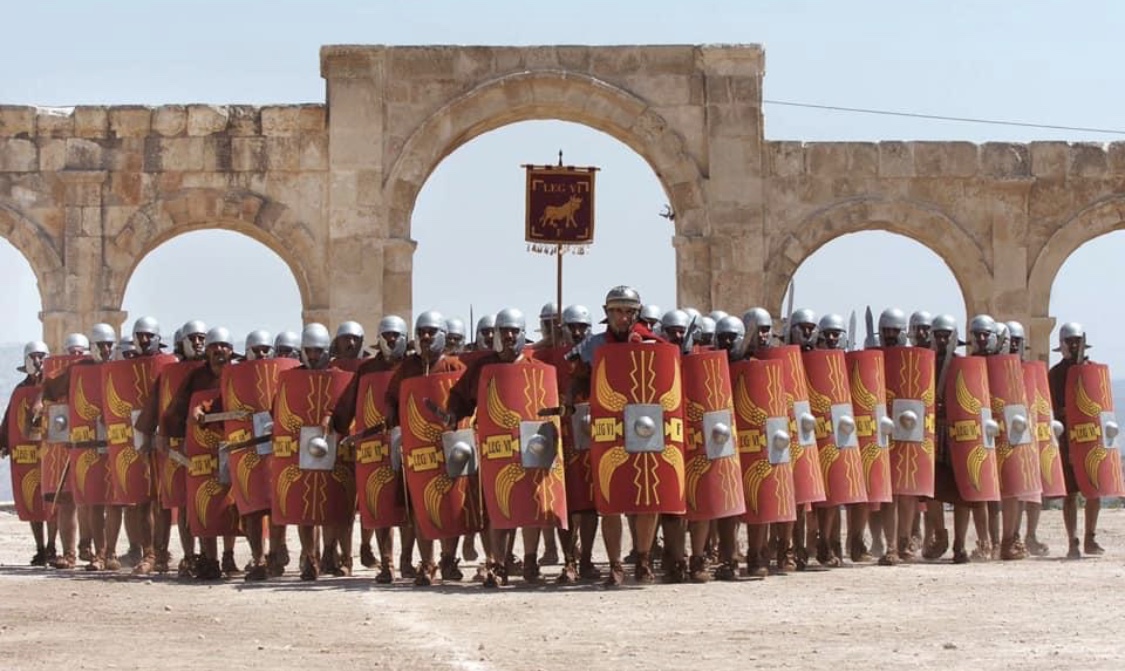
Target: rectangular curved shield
{"x": 23, "y": 440}
{"x": 762, "y": 420}
{"x": 713, "y": 471}
{"x": 171, "y": 476}
{"x": 841, "y": 464}
{"x": 910, "y": 375}
{"x": 1050, "y": 457}
{"x": 1094, "y": 454}
{"x": 969, "y": 426}
{"x": 631, "y": 474}
{"x": 126, "y": 387}
{"x": 1017, "y": 457}
{"x": 211, "y": 510}
{"x": 90, "y": 475}
{"x": 380, "y": 488}
{"x": 808, "y": 481}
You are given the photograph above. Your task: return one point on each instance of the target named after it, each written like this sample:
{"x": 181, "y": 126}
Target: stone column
{"x": 78, "y": 305}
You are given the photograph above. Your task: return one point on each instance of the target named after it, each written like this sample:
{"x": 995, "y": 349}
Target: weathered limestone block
{"x": 17, "y": 121}
{"x": 1049, "y": 159}
{"x": 1005, "y": 160}
{"x": 54, "y": 122}
{"x": 206, "y": 119}
{"x": 91, "y": 122}
{"x": 896, "y": 159}
{"x": 17, "y": 155}
{"x": 1088, "y": 160}
{"x": 130, "y": 121}
{"x": 169, "y": 120}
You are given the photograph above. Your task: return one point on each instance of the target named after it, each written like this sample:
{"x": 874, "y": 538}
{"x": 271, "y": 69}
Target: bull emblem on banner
{"x": 556, "y": 215}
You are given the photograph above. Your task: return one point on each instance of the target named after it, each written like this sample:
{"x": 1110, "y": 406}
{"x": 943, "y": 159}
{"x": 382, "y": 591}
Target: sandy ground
{"x": 1035, "y": 614}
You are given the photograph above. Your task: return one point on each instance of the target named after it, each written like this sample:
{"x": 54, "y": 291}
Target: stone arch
{"x": 36, "y": 246}
{"x": 256, "y": 216}
{"x": 920, "y": 222}
{"x": 548, "y": 95}
{"x": 1104, "y": 216}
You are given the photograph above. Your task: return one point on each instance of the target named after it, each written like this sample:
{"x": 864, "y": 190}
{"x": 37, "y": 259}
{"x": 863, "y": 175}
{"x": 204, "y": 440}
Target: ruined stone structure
{"x": 86, "y": 193}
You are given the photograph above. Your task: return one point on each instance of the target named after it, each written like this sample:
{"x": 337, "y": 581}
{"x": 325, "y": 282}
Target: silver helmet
{"x": 692, "y": 313}
{"x": 920, "y": 327}
{"x": 717, "y": 315}
{"x": 892, "y": 320}
{"x": 350, "y": 328}
{"x": 258, "y": 338}
{"x": 1071, "y": 330}
{"x": 1017, "y": 338}
{"x": 177, "y": 343}
{"x": 759, "y": 329}
{"x": 674, "y": 319}
{"x": 33, "y": 354}
{"x": 150, "y": 326}
{"x": 194, "y": 327}
{"x": 315, "y": 336}
{"x": 76, "y": 343}
{"x": 799, "y": 331}
{"x": 651, "y": 314}
{"x": 707, "y": 326}
{"x": 730, "y": 335}
{"x": 577, "y": 314}
{"x": 218, "y": 335}
{"x": 549, "y": 312}
{"x": 486, "y": 325}
{"x": 623, "y": 296}
{"x": 945, "y": 324}
{"x": 982, "y": 329}
{"x": 432, "y": 319}
{"x": 126, "y": 349}
{"x": 393, "y": 324}
{"x": 509, "y": 318}
{"x": 833, "y": 325}
{"x": 287, "y": 344}
{"x": 455, "y": 334}
{"x": 103, "y": 332}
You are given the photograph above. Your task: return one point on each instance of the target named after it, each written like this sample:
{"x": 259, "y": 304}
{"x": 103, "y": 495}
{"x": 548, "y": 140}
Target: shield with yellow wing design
{"x": 1042, "y": 414}
{"x": 910, "y": 392}
{"x": 126, "y": 386}
{"x": 762, "y": 416}
{"x": 251, "y": 387}
{"x": 444, "y": 502}
{"x": 171, "y": 487}
{"x": 521, "y": 465}
{"x": 808, "y": 481}
{"x": 210, "y": 506}
{"x": 27, "y": 476}
{"x": 712, "y": 469}
{"x": 830, "y": 399}
{"x": 378, "y": 469}
{"x": 302, "y": 495}
{"x": 89, "y": 472}
{"x": 637, "y": 420}
{"x": 1017, "y": 455}
{"x": 872, "y": 425}
{"x": 1091, "y": 427}
{"x": 971, "y": 429}
{"x": 55, "y": 456}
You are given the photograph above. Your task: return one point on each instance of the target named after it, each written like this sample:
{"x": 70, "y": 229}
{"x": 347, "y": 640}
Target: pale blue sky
{"x": 1048, "y": 62}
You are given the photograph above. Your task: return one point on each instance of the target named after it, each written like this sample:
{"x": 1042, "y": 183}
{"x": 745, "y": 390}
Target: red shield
{"x": 521, "y": 466}
{"x": 250, "y": 386}
{"x": 349, "y": 365}
{"x": 841, "y": 462}
{"x": 210, "y": 507}
{"x": 910, "y": 393}
{"x": 869, "y": 401}
{"x": 761, "y": 409}
{"x": 1017, "y": 455}
{"x": 55, "y": 455}
{"x": 126, "y": 386}
{"x": 637, "y": 390}
{"x": 443, "y": 506}
{"x": 968, "y": 410}
{"x": 378, "y": 472}
{"x": 808, "y": 482}
{"x": 1094, "y": 446}
{"x": 575, "y": 437}
{"x": 713, "y": 470}
{"x": 301, "y": 496}
{"x": 27, "y": 476}
{"x": 1039, "y": 402}
{"x": 90, "y": 475}
{"x": 171, "y": 480}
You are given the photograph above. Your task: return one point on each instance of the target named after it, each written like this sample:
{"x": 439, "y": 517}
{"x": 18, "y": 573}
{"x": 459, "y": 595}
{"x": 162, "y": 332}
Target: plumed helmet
{"x": 315, "y": 336}
{"x": 509, "y": 318}
{"x": 76, "y": 341}
{"x": 577, "y": 314}
{"x": 103, "y": 333}
{"x": 549, "y": 311}
{"x": 219, "y": 335}
{"x": 288, "y": 339}
{"x": 755, "y": 318}
{"x": 675, "y": 318}
{"x": 34, "y": 347}
{"x": 623, "y": 296}
{"x": 350, "y": 328}
{"x": 393, "y": 324}
{"x": 651, "y": 313}
{"x": 258, "y": 338}
{"x": 831, "y": 322}
{"x": 717, "y": 315}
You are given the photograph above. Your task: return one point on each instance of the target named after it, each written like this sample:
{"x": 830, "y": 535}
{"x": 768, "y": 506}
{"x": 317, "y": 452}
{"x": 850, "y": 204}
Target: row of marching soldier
{"x": 672, "y": 428}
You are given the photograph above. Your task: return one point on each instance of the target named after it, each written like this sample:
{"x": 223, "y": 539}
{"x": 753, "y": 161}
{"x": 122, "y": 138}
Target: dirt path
{"x": 1037, "y": 614}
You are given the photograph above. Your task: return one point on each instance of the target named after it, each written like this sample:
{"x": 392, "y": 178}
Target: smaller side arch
{"x": 921, "y": 222}
{"x": 254, "y": 215}
{"x": 36, "y": 246}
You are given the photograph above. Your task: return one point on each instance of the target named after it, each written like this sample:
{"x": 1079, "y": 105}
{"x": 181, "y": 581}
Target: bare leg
{"x": 888, "y": 514}
{"x": 875, "y": 524}
{"x": 113, "y": 519}
{"x": 757, "y": 560}
{"x": 726, "y": 532}
{"x": 310, "y": 562}
{"x": 1034, "y": 546}
{"x": 981, "y": 522}
{"x": 1010, "y": 512}
{"x": 1093, "y": 509}
{"x": 937, "y": 536}
{"x": 68, "y": 531}
{"x": 857, "y": 522}
{"x": 697, "y": 564}
{"x": 531, "y": 537}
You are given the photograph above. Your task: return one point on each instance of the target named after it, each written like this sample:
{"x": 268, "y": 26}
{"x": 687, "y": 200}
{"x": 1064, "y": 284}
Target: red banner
{"x": 560, "y": 205}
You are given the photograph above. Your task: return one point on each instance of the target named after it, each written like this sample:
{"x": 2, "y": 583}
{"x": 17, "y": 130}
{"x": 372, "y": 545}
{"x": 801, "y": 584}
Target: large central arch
{"x": 548, "y": 95}
{"x": 918, "y": 221}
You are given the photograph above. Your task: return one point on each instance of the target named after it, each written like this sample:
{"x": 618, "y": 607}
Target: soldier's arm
{"x": 174, "y": 419}
{"x": 462, "y": 399}
{"x": 392, "y": 398}
{"x": 343, "y": 414}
